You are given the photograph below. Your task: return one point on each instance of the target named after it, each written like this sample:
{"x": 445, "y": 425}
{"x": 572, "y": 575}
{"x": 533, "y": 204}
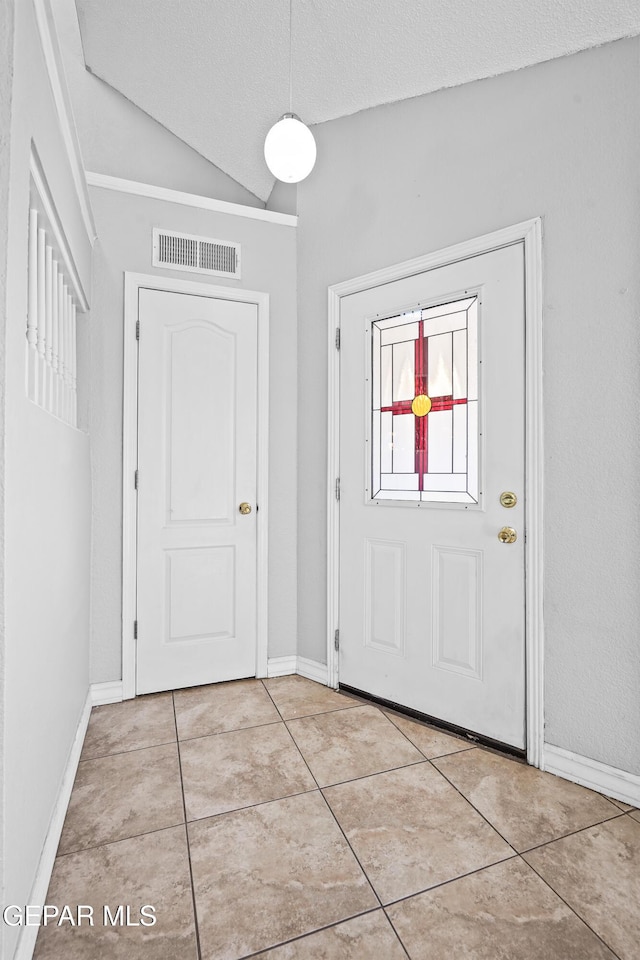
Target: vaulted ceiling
{"x": 216, "y": 72}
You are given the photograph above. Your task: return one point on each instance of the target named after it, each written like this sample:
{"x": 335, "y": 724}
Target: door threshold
{"x": 477, "y": 739}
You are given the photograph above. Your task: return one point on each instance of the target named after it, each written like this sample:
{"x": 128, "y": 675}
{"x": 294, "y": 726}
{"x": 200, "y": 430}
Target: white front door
{"x": 197, "y": 418}
{"x": 431, "y": 435}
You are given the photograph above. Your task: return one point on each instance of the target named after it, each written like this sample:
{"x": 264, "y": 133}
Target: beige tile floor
{"x": 282, "y": 821}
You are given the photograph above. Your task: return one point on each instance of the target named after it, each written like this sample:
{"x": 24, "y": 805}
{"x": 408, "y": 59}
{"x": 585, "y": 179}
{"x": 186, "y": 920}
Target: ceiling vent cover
{"x": 183, "y": 251}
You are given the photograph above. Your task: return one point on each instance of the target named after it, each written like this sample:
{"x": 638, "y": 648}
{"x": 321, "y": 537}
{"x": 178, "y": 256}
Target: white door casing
{"x": 382, "y": 533}
{"x": 200, "y": 381}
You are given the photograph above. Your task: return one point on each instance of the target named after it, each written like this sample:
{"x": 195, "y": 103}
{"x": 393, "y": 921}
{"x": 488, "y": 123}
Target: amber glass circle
{"x": 421, "y": 405}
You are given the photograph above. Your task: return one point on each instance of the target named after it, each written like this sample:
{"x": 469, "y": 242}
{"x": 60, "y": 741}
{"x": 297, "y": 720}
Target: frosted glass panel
{"x": 408, "y": 331}
{"x": 440, "y": 442}
{"x": 460, "y": 438}
{"x": 424, "y": 404}
{"x": 450, "y": 321}
{"x": 403, "y": 370}
{"x": 404, "y": 458}
{"x": 440, "y": 378}
{"x": 386, "y": 367}
{"x": 459, "y": 364}
{"x": 386, "y": 442}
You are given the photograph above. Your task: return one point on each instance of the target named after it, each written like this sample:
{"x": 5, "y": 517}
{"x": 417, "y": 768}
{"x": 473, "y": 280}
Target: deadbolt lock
{"x": 507, "y": 535}
{"x": 244, "y": 508}
{"x": 508, "y": 499}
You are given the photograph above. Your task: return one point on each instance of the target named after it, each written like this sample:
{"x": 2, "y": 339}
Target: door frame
{"x": 133, "y": 282}
{"x": 530, "y": 233}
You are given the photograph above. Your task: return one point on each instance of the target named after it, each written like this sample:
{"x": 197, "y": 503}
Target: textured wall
{"x": 216, "y": 74}
{"x": 560, "y": 140}
{"x": 6, "y": 89}
{"x": 120, "y": 139}
{"x": 124, "y": 226}
{"x": 47, "y": 508}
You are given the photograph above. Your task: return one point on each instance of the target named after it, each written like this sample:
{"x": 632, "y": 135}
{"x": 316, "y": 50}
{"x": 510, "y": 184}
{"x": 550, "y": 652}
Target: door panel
{"x": 431, "y": 433}
{"x": 197, "y": 419}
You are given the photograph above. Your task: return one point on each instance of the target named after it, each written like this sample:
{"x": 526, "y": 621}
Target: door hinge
{"x": 337, "y": 338}
{"x": 136, "y": 479}
{"x": 336, "y": 640}
{"x": 337, "y": 488}
{"x": 135, "y": 629}
{"x": 137, "y": 329}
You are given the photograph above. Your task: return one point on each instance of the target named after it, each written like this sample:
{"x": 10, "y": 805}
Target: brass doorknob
{"x": 507, "y": 535}
{"x": 244, "y": 507}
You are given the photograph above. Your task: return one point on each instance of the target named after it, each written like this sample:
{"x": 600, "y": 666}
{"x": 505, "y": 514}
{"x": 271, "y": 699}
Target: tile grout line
{"x": 378, "y": 773}
{"x": 120, "y": 753}
{"x": 221, "y": 733}
{"x": 134, "y": 836}
{"x": 618, "y": 812}
{"x": 473, "y": 807}
{"x": 537, "y": 846}
{"x": 521, "y": 857}
{"x": 393, "y": 927}
{"x": 568, "y": 905}
{"x": 471, "y": 746}
{"x": 598, "y": 823}
{"x": 348, "y": 706}
{"x": 446, "y": 883}
{"x": 515, "y": 854}
{"x": 365, "y": 776}
{"x": 186, "y": 830}
{"x": 251, "y": 806}
{"x": 304, "y": 760}
{"x": 305, "y": 936}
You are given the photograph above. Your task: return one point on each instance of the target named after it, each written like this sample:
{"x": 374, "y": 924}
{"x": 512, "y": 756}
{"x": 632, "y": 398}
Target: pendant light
{"x": 290, "y": 148}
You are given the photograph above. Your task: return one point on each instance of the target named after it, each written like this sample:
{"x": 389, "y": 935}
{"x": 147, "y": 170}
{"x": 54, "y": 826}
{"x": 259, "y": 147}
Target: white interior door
{"x": 197, "y": 438}
{"x": 431, "y": 434}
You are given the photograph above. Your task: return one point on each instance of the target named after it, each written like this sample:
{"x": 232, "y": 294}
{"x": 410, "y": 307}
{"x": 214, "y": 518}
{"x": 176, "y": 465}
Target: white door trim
{"x": 132, "y": 284}
{"x": 530, "y": 232}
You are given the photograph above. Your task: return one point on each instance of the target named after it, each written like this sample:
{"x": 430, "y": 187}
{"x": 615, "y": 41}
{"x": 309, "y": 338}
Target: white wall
{"x": 560, "y": 140}
{"x": 6, "y": 90}
{"x": 124, "y": 225}
{"x": 283, "y": 197}
{"x": 47, "y": 512}
{"x": 119, "y": 138}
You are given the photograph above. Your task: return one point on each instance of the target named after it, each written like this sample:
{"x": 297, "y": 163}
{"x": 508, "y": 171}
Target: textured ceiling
{"x": 215, "y": 72}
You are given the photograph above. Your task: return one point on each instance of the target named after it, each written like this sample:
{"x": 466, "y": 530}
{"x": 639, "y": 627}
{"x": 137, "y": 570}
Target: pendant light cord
{"x": 290, "y": 56}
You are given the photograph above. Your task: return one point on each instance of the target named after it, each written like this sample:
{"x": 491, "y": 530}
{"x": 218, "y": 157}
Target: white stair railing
{"x": 51, "y": 375}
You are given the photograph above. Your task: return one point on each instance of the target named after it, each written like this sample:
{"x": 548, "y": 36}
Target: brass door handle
{"x": 244, "y": 507}
{"x": 507, "y": 535}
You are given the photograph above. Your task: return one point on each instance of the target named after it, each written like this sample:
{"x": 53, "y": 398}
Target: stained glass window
{"x": 424, "y": 416}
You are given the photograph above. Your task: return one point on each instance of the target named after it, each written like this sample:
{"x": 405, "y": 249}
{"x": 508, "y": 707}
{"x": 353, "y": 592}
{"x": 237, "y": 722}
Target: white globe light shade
{"x": 290, "y": 150}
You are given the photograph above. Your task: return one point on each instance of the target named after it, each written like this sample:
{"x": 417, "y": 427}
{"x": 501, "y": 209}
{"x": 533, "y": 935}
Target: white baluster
{"x": 60, "y": 377}
{"x": 67, "y": 376}
{"x": 40, "y": 338}
{"x": 48, "y": 328}
{"x": 55, "y": 278}
{"x": 32, "y": 312}
{"x": 65, "y": 354}
{"x": 74, "y": 372}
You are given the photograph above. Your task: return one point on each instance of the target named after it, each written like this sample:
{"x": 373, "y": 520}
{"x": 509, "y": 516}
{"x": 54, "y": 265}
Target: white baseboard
{"x": 38, "y": 895}
{"x": 285, "y": 666}
{"x": 615, "y": 783}
{"x": 312, "y": 670}
{"x": 109, "y": 692}
{"x": 281, "y": 666}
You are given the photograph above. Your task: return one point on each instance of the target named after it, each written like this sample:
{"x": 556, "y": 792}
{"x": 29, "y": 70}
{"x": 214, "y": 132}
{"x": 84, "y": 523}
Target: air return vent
{"x": 183, "y": 251}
